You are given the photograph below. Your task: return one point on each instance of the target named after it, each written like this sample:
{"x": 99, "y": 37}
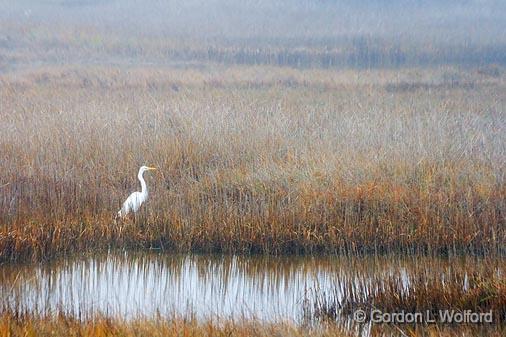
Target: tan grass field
{"x": 253, "y": 159}
{"x": 101, "y": 327}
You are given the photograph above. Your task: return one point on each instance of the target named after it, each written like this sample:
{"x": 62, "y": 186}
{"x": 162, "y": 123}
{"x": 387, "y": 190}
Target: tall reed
{"x": 253, "y": 160}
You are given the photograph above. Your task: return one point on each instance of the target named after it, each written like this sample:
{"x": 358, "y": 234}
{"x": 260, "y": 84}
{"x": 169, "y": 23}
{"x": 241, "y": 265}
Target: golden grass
{"x": 255, "y": 159}
{"x": 28, "y": 326}
{"x": 64, "y": 326}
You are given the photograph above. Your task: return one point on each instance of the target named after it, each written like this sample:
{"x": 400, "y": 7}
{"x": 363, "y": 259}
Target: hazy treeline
{"x": 289, "y": 33}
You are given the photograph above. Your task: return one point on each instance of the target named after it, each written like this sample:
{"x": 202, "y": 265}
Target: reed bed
{"x": 253, "y": 159}
{"x": 13, "y": 325}
{"x": 436, "y": 296}
{"x": 427, "y": 293}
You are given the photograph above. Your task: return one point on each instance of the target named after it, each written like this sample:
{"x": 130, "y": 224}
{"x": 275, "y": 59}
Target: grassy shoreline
{"x": 65, "y": 326}
{"x": 430, "y": 295}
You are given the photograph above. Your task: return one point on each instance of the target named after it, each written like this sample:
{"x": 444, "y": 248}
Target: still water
{"x": 146, "y": 284}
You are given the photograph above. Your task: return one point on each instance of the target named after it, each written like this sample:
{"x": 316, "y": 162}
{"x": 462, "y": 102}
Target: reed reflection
{"x": 147, "y": 284}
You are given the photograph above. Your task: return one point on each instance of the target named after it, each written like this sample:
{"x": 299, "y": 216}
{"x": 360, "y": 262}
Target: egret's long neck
{"x": 144, "y": 188}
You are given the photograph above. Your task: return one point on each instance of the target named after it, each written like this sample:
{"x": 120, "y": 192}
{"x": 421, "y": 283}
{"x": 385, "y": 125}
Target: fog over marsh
{"x": 474, "y": 29}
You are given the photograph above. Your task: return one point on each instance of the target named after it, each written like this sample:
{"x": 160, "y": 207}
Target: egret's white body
{"x": 136, "y": 199}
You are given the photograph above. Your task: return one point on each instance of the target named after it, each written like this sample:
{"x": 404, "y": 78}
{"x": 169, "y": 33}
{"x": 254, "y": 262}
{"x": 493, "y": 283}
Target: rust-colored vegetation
{"x": 285, "y": 161}
{"x": 13, "y": 325}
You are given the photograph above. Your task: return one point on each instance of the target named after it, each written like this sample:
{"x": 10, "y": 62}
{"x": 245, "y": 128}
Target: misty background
{"x": 325, "y": 33}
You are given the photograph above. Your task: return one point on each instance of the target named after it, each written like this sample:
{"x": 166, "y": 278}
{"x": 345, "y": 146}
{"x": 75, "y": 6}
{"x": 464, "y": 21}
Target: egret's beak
{"x": 151, "y": 168}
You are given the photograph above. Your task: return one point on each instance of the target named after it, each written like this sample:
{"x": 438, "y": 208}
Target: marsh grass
{"x": 428, "y": 293}
{"x": 253, "y": 159}
{"x": 13, "y": 325}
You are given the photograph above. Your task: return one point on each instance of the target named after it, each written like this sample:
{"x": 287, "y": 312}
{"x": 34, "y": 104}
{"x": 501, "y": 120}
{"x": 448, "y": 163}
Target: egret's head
{"x": 146, "y": 168}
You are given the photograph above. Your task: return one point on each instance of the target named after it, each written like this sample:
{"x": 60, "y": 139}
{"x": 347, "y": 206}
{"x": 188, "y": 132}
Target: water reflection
{"x": 147, "y": 284}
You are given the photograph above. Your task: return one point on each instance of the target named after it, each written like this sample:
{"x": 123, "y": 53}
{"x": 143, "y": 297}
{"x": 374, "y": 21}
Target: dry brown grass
{"x": 65, "y": 326}
{"x": 482, "y": 290}
{"x": 255, "y": 159}
{"x": 28, "y": 326}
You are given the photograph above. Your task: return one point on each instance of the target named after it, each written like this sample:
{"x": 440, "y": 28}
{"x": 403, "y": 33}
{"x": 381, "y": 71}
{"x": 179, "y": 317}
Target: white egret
{"x": 136, "y": 199}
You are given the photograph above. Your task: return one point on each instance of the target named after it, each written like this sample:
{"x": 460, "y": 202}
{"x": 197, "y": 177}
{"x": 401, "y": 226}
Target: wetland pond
{"x": 148, "y": 284}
